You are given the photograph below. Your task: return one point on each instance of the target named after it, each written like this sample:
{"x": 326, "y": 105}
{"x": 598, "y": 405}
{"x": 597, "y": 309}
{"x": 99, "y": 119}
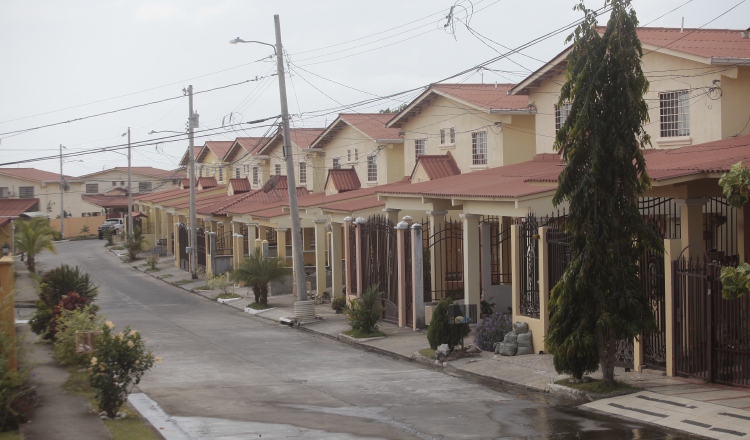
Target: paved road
{"x": 227, "y": 374}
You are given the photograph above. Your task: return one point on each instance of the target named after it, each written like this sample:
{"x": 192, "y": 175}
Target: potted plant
{"x": 338, "y": 304}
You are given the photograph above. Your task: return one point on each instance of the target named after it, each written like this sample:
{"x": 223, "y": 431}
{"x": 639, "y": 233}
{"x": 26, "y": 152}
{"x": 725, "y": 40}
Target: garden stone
{"x": 473, "y": 350}
{"x": 442, "y": 350}
{"x": 586, "y": 379}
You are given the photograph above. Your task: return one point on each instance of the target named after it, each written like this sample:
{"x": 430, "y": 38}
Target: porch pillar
{"x": 336, "y": 264}
{"x": 281, "y": 243}
{"x": 259, "y": 245}
{"x": 472, "y": 287}
{"x": 320, "y": 255}
{"x": 417, "y": 277}
{"x": 210, "y": 252}
{"x": 515, "y": 273}
{"x": 348, "y": 275}
{"x": 437, "y": 277}
{"x": 544, "y": 286}
{"x": 691, "y": 226}
{"x": 238, "y": 245}
{"x": 485, "y": 256}
{"x": 251, "y": 236}
{"x": 672, "y": 249}
{"x": 177, "y": 244}
{"x": 169, "y": 219}
{"x": 358, "y": 237}
{"x": 392, "y": 214}
{"x": 401, "y": 230}
{"x": 157, "y": 224}
{"x": 7, "y": 318}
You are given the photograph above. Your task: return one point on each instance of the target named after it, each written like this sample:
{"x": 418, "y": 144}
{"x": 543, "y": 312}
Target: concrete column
{"x": 417, "y": 277}
{"x": 7, "y": 318}
{"x": 177, "y": 244}
{"x": 336, "y": 266}
{"x": 320, "y": 255}
{"x": 281, "y": 243}
{"x": 691, "y": 226}
{"x": 515, "y": 277}
{"x": 157, "y": 224}
{"x": 358, "y": 236}
{"x": 392, "y": 214}
{"x": 672, "y": 249}
{"x": 348, "y": 275}
{"x": 544, "y": 286}
{"x": 259, "y": 245}
{"x": 485, "y": 258}
{"x": 437, "y": 220}
{"x": 169, "y": 218}
{"x": 402, "y": 228}
{"x": 210, "y": 252}
{"x": 238, "y": 245}
{"x": 252, "y": 232}
{"x": 472, "y": 285}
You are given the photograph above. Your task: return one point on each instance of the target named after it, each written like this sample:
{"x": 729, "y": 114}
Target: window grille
{"x": 278, "y": 169}
{"x": 221, "y": 173}
{"x": 452, "y": 135}
{"x": 352, "y": 155}
{"x": 144, "y": 187}
{"x": 302, "y": 172}
{"x": 92, "y": 188}
{"x": 674, "y": 113}
{"x": 420, "y": 147}
{"x": 336, "y": 163}
{"x": 237, "y": 173}
{"x": 114, "y": 183}
{"x": 372, "y": 168}
{"x": 561, "y": 114}
{"x": 122, "y": 183}
{"x": 479, "y": 148}
{"x": 255, "y": 175}
{"x": 4, "y": 192}
{"x": 447, "y": 136}
{"x": 27, "y": 192}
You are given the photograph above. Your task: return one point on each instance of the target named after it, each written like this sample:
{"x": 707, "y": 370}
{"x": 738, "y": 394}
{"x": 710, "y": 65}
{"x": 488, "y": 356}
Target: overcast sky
{"x": 63, "y": 60}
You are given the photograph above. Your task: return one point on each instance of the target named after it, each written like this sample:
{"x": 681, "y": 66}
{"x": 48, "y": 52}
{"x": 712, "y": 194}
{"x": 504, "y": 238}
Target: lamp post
{"x": 297, "y": 259}
{"x": 130, "y": 188}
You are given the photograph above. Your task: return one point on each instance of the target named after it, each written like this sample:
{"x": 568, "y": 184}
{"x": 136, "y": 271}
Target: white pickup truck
{"x": 115, "y": 225}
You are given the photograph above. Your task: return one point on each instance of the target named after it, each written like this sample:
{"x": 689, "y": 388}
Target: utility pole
{"x": 62, "y": 197}
{"x": 130, "y": 192}
{"x": 297, "y": 259}
{"x": 191, "y": 169}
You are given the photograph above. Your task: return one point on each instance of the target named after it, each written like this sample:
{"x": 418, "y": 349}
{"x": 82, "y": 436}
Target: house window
{"x": 479, "y": 148}
{"x": 255, "y": 175}
{"x": 302, "y": 172}
{"x": 420, "y": 147}
{"x": 122, "y": 183}
{"x": 26, "y": 192}
{"x": 561, "y": 114}
{"x": 352, "y": 155}
{"x": 114, "y": 183}
{"x": 447, "y": 136}
{"x": 237, "y": 173}
{"x": 221, "y": 173}
{"x": 674, "y": 113}
{"x": 336, "y": 163}
{"x": 92, "y": 188}
{"x": 4, "y": 192}
{"x": 278, "y": 169}
{"x": 144, "y": 187}
{"x": 372, "y": 168}
{"x": 200, "y": 171}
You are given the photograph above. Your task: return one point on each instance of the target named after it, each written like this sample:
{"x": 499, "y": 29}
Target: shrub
{"x": 492, "y": 330}
{"x": 152, "y": 261}
{"x": 220, "y": 282}
{"x": 70, "y": 302}
{"x": 120, "y": 361}
{"x": 110, "y": 236}
{"x": 17, "y": 399}
{"x": 84, "y": 230}
{"x": 338, "y": 303}
{"x": 53, "y": 285}
{"x": 68, "y": 323}
{"x": 441, "y": 331}
{"x": 134, "y": 243}
{"x": 363, "y": 313}
{"x": 486, "y": 307}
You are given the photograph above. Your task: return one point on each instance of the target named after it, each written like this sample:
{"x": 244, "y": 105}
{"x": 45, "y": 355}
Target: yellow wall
{"x": 48, "y": 194}
{"x": 73, "y": 225}
{"x": 120, "y": 177}
{"x": 735, "y": 108}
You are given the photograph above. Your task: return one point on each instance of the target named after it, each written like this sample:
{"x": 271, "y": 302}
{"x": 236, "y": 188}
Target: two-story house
{"x": 269, "y": 160}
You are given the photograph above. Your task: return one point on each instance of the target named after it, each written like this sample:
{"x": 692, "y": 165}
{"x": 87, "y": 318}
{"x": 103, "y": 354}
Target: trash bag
{"x": 509, "y": 345}
{"x": 498, "y": 347}
{"x": 520, "y": 328}
{"x": 525, "y": 343}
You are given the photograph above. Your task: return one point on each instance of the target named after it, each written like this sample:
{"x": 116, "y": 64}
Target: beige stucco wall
{"x": 710, "y": 119}
{"x": 48, "y": 194}
{"x": 211, "y": 165}
{"x": 120, "y": 178}
{"x": 509, "y": 142}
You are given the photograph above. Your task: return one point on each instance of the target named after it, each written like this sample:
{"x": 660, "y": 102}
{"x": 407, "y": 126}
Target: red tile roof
{"x": 243, "y": 146}
{"x": 301, "y": 137}
{"x": 205, "y": 182}
{"x": 185, "y": 159}
{"x": 709, "y": 43}
{"x": 344, "y": 179}
{"x": 708, "y": 158}
{"x": 36, "y": 175}
{"x": 319, "y": 199}
{"x": 260, "y": 201}
{"x": 203, "y": 198}
{"x": 437, "y": 165}
{"x": 185, "y": 183}
{"x": 155, "y": 172}
{"x": 12, "y": 208}
{"x": 352, "y": 206}
{"x": 372, "y": 124}
{"x": 162, "y": 195}
{"x": 105, "y": 201}
{"x": 240, "y": 185}
{"x": 219, "y": 148}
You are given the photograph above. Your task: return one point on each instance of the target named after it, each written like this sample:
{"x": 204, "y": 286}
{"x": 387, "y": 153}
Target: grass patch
{"x": 152, "y": 270}
{"x": 117, "y": 248}
{"x": 181, "y": 282}
{"x": 228, "y": 296}
{"x": 166, "y": 275}
{"x": 204, "y": 287}
{"x": 359, "y": 334}
{"x": 428, "y": 353}
{"x": 259, "y": 306}
{"x": 11, "y": 435}
{"x": 598, "y": 386}
{"x": 132, "y": 427}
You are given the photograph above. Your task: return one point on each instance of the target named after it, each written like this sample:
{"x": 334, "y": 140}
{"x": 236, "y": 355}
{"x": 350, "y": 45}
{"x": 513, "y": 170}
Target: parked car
{"x": 115, "y": 225}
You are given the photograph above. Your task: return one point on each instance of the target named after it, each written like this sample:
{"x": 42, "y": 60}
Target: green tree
{"x": 735, "y": 281}
{"x": 55, "y": 284}
{"x": 365, "y": 311}
{"x": 257, "y": 271}
{"x": 600, "y": 298}
{"x": 441, "y": 331}
{"x": 33, "y": 237}
{"x": 134, "y": 243}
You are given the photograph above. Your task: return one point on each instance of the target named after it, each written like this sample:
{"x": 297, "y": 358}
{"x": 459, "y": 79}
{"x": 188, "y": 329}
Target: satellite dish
{"x": 271, "y": 183}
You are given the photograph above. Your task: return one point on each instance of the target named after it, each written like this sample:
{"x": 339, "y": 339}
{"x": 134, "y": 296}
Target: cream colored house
{"x": 308, "y": 160}
{"x": 143, "y": 180}
{"x": 480, "y": 124}
{"x": 699, "y": 87}
{"x": 29, "y": 183}
{"x": 209, "y": 162}
{"x": 239, "y": 159}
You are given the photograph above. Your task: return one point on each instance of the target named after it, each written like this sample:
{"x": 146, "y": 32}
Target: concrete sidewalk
{"x": 710, "y": 410}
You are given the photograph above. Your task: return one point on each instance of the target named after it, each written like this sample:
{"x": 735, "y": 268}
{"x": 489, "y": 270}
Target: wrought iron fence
{"x": 224, "y": 244}
{"x": 201, "y": 248}
{"x": 720, "y": 231}
{"x": 528, "y": 253}
{"x": 445, "y": 242}
{"x": 380, "y": 262}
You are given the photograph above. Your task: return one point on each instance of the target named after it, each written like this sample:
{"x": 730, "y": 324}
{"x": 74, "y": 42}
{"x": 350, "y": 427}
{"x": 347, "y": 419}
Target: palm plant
{"x": 257, "y": 271}
{"x": 32, "y": 237}
{"x": 134, "y": 243}
{"x": 365, "y": 311}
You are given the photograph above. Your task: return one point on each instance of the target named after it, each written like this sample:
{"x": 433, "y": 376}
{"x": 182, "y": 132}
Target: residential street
{"x": 227, "y": 374}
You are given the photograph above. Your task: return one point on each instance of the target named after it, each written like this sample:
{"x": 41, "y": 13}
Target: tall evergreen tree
{"x": 600, "y": 298}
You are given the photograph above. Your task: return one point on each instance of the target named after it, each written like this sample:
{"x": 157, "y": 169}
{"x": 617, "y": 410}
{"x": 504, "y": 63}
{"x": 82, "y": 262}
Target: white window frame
{"x": 352, "y": 152}
{"x": 237, "y": 173}
{"x": 277, "y": 168}
{"x": 448, "y": 136}
{"x": 372, "y": 168}
{"x": 4, "y": 192}
{"x": 674, "y": 113}
{"x": 302, "y": 172}
{"x": 23, "y": 192}
{"x": 144, "y": 187}
{"x": 92, "y": 188}
{"x": 561, "y": 115}
{"x": 336, "y": 163}
{"x": 256, "y": 178}
{"x": 420, "y": 147}
{"x": 479, "y": 148}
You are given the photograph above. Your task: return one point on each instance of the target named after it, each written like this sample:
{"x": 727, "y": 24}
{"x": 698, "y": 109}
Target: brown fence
{"x": 379, "y": 258}
{"x": 445, "y": 241}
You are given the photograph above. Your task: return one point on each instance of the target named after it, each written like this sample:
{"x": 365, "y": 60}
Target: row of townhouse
{"x": 457, "y": 186}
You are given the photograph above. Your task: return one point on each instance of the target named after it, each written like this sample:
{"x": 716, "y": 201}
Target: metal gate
{"x": 445, "y": 241}
{"x": 224, "y": 244}
{"x": 528, "y": 241}
{"x": 201, "y": 247}
{"x": 184, "y": 241}
{"x": 380, "y": 262}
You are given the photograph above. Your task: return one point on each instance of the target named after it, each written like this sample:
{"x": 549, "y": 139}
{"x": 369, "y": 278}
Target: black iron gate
{"x": 528, "y": 245}
{"x": 201, "y": 247}
{"x": 445, "y": 241}
{"x": 184, "y": 241}
{"x": 380, "y": 262}
{"x": 224, "y": 244}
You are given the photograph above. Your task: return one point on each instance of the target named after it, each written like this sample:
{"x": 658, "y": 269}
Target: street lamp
{"x": 6, "y": 249}
{"x": 297, "y": 259}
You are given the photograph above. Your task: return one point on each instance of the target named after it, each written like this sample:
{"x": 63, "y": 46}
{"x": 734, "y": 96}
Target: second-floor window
{"x": 278, "y": 169}
{"x": 4, "y": 192}
{"x": 336, "y": 163}
{"x": 237, "y": 173}
{"x": 447, "y": 136}
{"x": 200, "y": 171}
{"x": 26, "y": 192}
{"x": 561, "y": 114}
{"x": 114, "y": 183}
{"x": 479, "y": 148}
{"x": 352, "y": 155}
{"x": 420, "y": 147}
{"x": 674, "y": 113}
{"x": 372, "y": 168}
{"x": 92, "y": 188}
{"x": 221, "y": 173}
{"x": 255, "y": 175}
{"x": 302, "y": 172}
{"x": 144, "y": 187}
